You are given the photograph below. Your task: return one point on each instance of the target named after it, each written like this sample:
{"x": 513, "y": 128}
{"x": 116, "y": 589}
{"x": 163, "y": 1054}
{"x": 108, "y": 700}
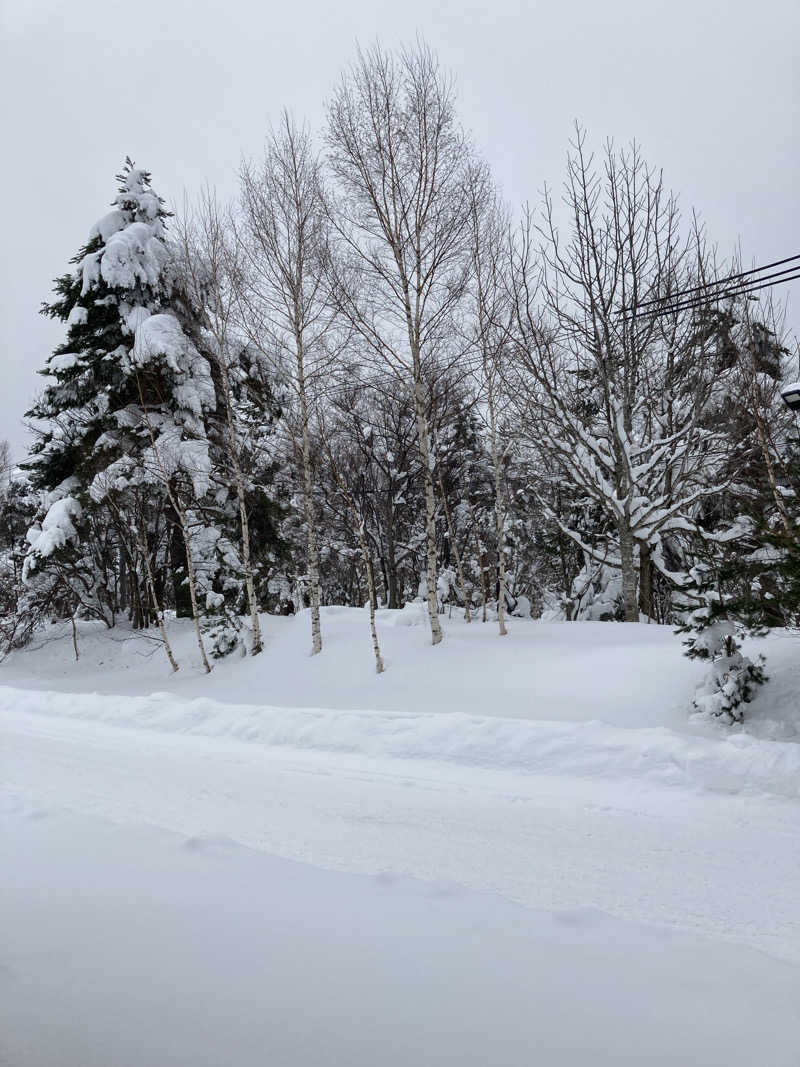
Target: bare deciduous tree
{"x": 286, "y": 310}
{"x": 407, "y": 176}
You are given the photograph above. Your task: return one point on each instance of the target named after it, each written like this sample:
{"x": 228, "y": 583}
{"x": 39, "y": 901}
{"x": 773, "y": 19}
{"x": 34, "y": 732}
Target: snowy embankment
{"x": 584, "y": 699}
{"x": 627, "y": 676}
{"x": 738, "y": 762}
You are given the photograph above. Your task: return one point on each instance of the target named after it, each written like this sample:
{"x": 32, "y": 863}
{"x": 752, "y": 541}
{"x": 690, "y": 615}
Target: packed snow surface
{"x": 501, "y": 851}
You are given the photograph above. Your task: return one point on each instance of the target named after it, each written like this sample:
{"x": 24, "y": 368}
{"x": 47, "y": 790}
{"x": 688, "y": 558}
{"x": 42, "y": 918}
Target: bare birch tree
{"x": 286, "y": 311}
{"x": 406, "y": 176}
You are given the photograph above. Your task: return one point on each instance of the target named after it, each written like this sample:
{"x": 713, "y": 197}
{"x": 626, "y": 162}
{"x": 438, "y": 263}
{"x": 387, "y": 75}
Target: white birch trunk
{"x": 501, "y": 574}
{"x": 430, "y": 510}
{"x": 190, "y": 574}
{"x": 376, "y": 648}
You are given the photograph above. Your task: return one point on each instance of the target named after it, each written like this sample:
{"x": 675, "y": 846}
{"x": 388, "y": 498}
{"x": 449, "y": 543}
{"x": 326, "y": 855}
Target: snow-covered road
{"x": 707, "y": 865}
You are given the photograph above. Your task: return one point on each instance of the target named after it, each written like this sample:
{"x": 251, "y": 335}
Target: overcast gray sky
{"x": 711, "y": 90}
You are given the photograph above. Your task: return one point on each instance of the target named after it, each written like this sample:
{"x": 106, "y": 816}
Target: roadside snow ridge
{"x": 734, "y": 763}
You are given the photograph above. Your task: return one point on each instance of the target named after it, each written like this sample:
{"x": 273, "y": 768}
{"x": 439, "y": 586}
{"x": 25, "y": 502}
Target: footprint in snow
{"x": 578, "y": 917}
{"x": 210, "y": 846}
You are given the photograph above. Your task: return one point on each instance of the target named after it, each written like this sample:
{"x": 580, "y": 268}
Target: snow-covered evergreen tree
{"x": 744, "y": 555}
{"x": 126, "y": 409}
{"x": 716, "y": 637}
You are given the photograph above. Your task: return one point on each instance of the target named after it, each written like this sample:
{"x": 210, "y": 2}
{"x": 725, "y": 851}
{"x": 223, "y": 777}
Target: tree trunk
{"x": 390, "y": 572}
{"x": 372, "y": 589}
{"x": 138, "y": 613}
{"x": 501, "y": 570}
{"x": 376, "y": 648}
{"x": 123, "y": 581}
{"x": 629, "y": 598}
{"x": 645, "y": 581}
{"x": 192, "y": 584}
{"x": 484, "y": 585}
{"x": 430, "y": 507}
{"x": 177, "y": 555}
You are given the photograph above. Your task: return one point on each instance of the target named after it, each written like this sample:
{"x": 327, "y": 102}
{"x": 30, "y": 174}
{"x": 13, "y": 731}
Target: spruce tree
{"x": 127, "y": 404}
{"x": 743, "y": 578}
{"x": 117, "y": 280}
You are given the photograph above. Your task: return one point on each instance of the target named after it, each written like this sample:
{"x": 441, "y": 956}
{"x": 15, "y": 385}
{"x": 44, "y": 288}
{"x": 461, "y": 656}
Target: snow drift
{"x": 735, "y": 763}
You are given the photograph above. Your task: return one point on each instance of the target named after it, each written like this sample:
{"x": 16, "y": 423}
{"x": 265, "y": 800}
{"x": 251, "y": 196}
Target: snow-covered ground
{"x": 498, "y": 852}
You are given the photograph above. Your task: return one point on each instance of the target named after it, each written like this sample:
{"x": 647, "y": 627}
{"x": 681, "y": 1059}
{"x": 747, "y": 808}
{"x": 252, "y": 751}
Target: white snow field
{"x": 500, "y": 852}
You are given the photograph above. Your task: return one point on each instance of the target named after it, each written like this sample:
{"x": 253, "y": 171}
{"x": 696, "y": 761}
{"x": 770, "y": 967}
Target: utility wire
{"x": 677, "y": 300}
{"x": 704, "y": 286}
{"x": 700, "y": 301}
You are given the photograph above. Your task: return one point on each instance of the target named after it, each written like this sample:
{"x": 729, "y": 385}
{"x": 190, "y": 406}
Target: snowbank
{"x": 734, "y": 763}
{"x": 632, "y": 676}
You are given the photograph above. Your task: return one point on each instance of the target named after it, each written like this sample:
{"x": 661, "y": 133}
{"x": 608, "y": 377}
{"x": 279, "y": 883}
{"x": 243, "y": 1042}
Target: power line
{"x": 681, "y": 293}
{"x": 678, "y": 301}
{"x": 699, "y": 301}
